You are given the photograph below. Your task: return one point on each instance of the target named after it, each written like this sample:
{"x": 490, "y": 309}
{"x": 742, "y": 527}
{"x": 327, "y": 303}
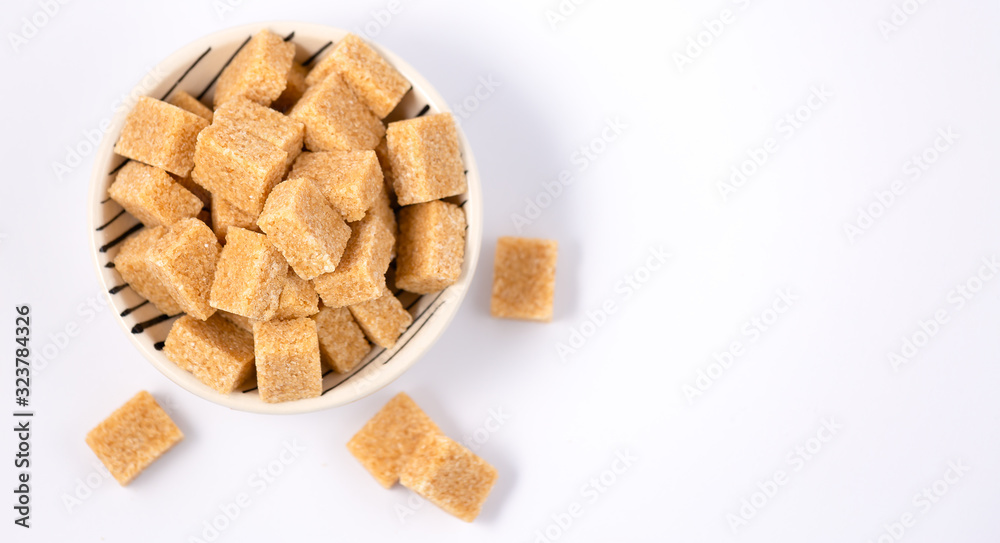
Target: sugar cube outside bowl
{"x": 194, "y": 68}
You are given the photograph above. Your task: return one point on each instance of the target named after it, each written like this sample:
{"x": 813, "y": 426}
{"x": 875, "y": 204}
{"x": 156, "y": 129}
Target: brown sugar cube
{"x": 133, "y": 264}
{"x": 386, "y": 441}
{"x": 298, "y": 298}
{"x": 258, "y": 72}
{"x": 342, "y": 344}
{"x": 383, "y": 319}
{"x": 524, "y": 279}
{"x": 360, "y": 275}
{"x": 225, "y": 215}
{"x": 240, "y": 321}
{"x": 196, "y": 189}
{"x": 449, "y": 476}
{"x": 237, "y": 166}
{"x": 303, "y": 226}
{"x": 371, "y": 78}
{"x": 152, "y": 196}
{"x": 431, "y": 246}
{"x": 161, "y": 135}
{"x": 265, "y": 123}
{"x": 216, "y": 351}
{"x": 249, "y": 277}
{"x": 190, "y": 104}
{"x": 382, "y": 152}
{"x": 133, "y": 437}
{"x": 335, "y": 119}
{"x": 350, "y": 180}
{"x": 426, "y": 159}
{"x": 383, "y": 210}
{"x": 287, "y": 354}
{"x": 295, "y": 87}
{"x": 184, "y": 262}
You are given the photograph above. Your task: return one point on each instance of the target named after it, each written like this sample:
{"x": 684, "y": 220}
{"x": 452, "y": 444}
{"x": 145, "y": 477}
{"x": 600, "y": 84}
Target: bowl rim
{"x": 181, "y": 59}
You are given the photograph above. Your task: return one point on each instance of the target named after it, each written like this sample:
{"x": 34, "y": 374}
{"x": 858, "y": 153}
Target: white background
{"x": 696, "y": 457}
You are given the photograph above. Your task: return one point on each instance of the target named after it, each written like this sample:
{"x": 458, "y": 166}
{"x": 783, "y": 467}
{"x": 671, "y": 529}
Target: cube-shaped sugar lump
{"x": 133, "y": 263}
{"x": 287, "y": 354}
{"x": 183, "y": 260}
{"x": 249, "y": 277}
{"x": 449, "y": 476}
{"x": 360, "y": 275}
{"x": 383, "y": 319}
{"x": 342, "y": 343}
{"x": 304, "y": 227}
{"x": 238, "y": 166}
{"x": 216, "y": 351}
{"x": 524, "y": 278}
{"x": 133, "y": 437}
{"x": 226, "y": 215}
{"x": 335, "y": 119}
{"x": 190, "y": 104}
{"x": 161, "y": 135}
{"x": 298, "y": 298}
{"x": 426, "y": 159}
{"x": 265, "y": 123}
{"x": 372, "y": 79}
{"x": 350, "y": 180}
{"x": 258, "y": 72}
{"x": 431, "y": 246}
{"x": 382, "y": 152}
{"x": 152, "y": 196}
{"x": 295, "y": 87}
{"x": 386, "y": 441}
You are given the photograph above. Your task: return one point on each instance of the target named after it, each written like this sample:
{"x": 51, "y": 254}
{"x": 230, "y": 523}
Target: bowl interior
{"x": 195, "y": 69}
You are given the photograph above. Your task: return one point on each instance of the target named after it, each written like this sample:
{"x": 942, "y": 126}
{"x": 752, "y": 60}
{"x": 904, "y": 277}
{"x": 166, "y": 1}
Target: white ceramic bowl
{"x": 194, "y": 69}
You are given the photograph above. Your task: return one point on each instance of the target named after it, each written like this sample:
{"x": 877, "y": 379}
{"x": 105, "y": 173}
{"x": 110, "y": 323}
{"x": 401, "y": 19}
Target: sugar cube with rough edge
{"x": 350, "y": 180}
{"x": 265, "y": 123}
{"x": 431, "y": 246}
{"x": 342, "y": 343}
{"x": 196, "y": 189}
{"x": 382, "y": 151}
{"x": 295, "y": 87}
{"x": 216, "y": 351}
{"x": 426, "y": 159}
{"x": 133, "y": 264}
{"x": 388, "y": 439}
{"x": 161, "y": 135}
{"x": 335, "y": 119}
{"x": 190, "y": 104}
{"x": 249, "y": 277}
{"x": 360, "y": 275}
{"x": 288, "y": 366}
{"x": 133, "y": 437}
{"x": 302, "y": 225}
{"x": 450, "y": 476}
{"x": 184, "y": 260}
{"x": 237, "y": 166}
{"x": 240, "y": 321}
{"x": 225, "y": 215}
{"x": 524, "y": 279}
{"x": 383, "y": 319}
{"x": 383, "y": 213}
{"x": 298, "y": 298}
{"x": 152, "y": 196}
{"x": 373, "y": 80}
{"x": 258, "y": 72}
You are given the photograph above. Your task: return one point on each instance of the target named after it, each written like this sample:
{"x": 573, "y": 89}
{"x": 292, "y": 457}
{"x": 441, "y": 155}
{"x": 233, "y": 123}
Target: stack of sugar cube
{"x": 272, "y": 218}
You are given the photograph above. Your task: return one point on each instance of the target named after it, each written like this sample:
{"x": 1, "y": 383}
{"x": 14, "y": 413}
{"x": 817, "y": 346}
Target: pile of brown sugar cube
{"x": 310, "y": 198}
